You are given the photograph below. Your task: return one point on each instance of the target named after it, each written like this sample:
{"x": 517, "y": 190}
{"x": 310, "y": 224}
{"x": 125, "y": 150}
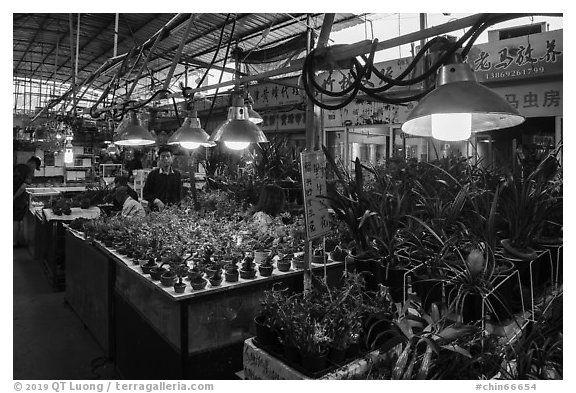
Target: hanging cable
{"x": 359, "y": 72}
{"x": 222, "y": 73}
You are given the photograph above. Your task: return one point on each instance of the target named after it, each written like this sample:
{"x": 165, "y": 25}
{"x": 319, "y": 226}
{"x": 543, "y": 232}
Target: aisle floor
{"x": 50, "y": 341}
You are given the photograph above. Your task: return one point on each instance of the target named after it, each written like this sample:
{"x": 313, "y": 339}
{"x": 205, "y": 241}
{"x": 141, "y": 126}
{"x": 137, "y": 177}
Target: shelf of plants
{"x": 151, "y": 257}
{"x": 470, "y": 262}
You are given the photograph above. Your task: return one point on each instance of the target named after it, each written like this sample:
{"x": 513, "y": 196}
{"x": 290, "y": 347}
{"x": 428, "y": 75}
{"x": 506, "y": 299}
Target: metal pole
{"x": 116, "y": 35}
{"x": 307, "y": 276}
{"x": 179, "y": 51}
{"x": 71, "y": 51}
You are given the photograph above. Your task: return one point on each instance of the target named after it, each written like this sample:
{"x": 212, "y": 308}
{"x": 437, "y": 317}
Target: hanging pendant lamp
{"x": 134, "y": 134}
{"x": 69, "y": 153}
{"x": 238, "y": 131}
{"x": 459, "y": 106}
{"x": 252, "y": 114}
{"x": 190, "y": 135}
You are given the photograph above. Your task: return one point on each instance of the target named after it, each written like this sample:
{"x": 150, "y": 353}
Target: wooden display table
{"x": 54, "y": 260}
{"x": 89, "y": 285}
{"x": 154, "y": 333}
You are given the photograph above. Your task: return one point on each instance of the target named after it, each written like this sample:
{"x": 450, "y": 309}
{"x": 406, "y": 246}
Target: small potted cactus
{"x": 247, "y": 269}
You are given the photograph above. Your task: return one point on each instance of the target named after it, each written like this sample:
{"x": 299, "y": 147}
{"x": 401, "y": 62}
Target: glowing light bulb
{"x": 236, "y": 145}
{"x": 190, "y": 145}
{"x": 451, "y": 126}
{"x": 69, "y": 154}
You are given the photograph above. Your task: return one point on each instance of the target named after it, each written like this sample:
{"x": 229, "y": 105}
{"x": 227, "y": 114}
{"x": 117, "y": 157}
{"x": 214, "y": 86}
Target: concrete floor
{"x": 50, "y": 341}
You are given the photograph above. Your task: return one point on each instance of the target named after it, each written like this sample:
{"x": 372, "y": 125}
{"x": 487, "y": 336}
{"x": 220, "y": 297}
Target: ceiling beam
{"x": 111, "y": 47}
{"x": 32, "y": 42}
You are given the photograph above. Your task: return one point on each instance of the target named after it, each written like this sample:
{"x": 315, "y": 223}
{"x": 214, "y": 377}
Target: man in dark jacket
{"x": 23, "y": 175}
{"x": 163, "y": 185}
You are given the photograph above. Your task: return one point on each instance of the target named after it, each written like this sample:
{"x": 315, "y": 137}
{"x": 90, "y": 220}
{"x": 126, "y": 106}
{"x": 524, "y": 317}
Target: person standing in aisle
{"x": 130, "y": 207}
{"x": 23, "y": 175}
{"x": 163, "y": 185}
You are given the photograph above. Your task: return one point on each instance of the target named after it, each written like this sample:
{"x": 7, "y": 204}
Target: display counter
{"x": 158, "y": 334}
{"x": 89, "y": 284}
{"x": 45, "y": 238}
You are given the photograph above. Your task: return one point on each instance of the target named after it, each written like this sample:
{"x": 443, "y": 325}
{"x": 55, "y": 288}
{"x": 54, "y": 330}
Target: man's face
{"x": 165, "y": 160}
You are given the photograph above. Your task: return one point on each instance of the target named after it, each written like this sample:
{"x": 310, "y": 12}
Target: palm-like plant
{"x": 528, "y": 202}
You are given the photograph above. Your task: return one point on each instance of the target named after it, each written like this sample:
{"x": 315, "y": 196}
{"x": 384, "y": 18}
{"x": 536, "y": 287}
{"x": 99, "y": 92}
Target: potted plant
{"x": 215, "y": 277}
{"x": 261, "y": 250}
{"x": 247, "y": 269}
{"x": 181, "y": 271}
{"x": 148, "y": 265}
{"x": 284, "y": 262}
{"x": 266, "y": 267}
{"x": 337, "y": 254}
{"x": 156, "y": 272}
{"x": 231, "y": 273}
{"x": 168, "y": 278}
{"x": 526, "y": 205}
{"x": 319, "y": 256}
{"x": 298, "y": 261}
{"x": 471, "y": 286}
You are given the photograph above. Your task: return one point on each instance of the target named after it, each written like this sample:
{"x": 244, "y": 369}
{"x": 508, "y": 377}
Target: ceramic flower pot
{"x": 247, "y": 274}
{"x": 194, "y": 275}
{"x": 147, "y": 267}
{"x": 231, "y": 276}
{"x": 168, "y": 279}
{"x": 298, "y": 263}
{"x": 198, "y": 285}
{"x": 156, "y": 273}
{"x": 179, "y": 287}
{"x": 319, "y": 259}
{"x": 265, "y": 271}
{"x": 283, "y": 265}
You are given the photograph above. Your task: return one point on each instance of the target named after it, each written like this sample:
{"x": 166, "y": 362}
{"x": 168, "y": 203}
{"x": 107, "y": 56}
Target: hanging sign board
{"x": 313, "y": 166}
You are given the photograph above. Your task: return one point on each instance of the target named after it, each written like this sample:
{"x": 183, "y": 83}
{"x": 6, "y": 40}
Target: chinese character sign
{"x": 314, "y": 184}
{"x": 527, "y": 57}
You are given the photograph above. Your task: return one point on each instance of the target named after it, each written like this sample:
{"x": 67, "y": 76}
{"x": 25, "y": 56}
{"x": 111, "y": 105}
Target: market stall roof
{"x": 42, "y": 47}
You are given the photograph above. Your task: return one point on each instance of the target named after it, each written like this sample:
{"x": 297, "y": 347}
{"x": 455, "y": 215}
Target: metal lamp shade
{"x": 254, "y": 116}
{"x": 189, "y": 134}
{"x": 458, "y": 92}
{"x": 238, "y": 127}
{"x": 134, "y": 134}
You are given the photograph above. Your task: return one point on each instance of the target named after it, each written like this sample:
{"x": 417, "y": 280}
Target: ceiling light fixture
{"x": 134, "y": 134}
{"x": 238, "y": 131}
{"x": 69, "y": 153}
{"x": 459, "y": 106}
{"x": 190, "y": 135}
{"x": 253, "y": 116}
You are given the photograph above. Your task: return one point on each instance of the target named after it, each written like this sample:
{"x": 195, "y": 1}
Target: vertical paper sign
{"x": 314, "y": 184}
